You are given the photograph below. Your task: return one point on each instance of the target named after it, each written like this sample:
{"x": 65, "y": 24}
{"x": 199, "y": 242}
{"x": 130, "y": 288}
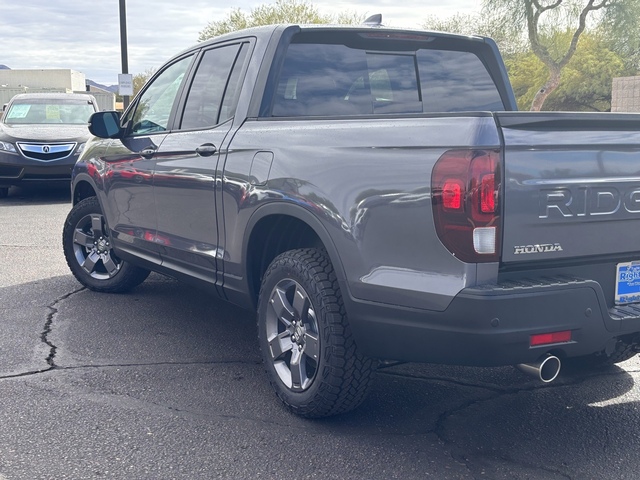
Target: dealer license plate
{"x": 627, "y": 283}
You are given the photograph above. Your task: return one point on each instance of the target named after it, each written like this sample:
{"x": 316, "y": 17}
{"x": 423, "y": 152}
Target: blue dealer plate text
{"x": 627, "y": 283}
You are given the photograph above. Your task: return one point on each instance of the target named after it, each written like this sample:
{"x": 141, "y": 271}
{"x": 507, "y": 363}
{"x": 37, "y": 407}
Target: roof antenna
{"x": 374, "y": 20}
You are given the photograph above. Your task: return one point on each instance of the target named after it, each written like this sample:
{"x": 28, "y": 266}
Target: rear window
{"x": 359, "y": 76}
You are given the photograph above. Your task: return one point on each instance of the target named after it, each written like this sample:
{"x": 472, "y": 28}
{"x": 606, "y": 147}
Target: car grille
{"x": 46, "y": 152}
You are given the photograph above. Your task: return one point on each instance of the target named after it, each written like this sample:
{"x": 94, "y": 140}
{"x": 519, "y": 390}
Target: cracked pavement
{"x": 165, "y": 382}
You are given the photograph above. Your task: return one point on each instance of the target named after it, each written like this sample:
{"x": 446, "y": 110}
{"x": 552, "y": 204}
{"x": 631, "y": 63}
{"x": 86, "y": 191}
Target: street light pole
{"x": 123, "y": 46}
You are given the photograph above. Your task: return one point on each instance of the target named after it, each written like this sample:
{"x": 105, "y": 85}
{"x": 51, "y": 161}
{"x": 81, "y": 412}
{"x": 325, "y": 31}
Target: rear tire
{"x": 306, "y": 342}
{"x": 89, "y": 253}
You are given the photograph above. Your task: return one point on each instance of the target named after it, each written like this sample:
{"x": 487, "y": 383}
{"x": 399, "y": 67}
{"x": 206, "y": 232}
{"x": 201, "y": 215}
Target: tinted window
{"x": 361, "y": 77}
{"x": 230, "y": 99}
{"x": 394, "y": 83}
{"x": 154, "y": 106}
{"x": 212, "y": 83}
{"x": 455, "y": 82}
{"x": 323, "y": 80}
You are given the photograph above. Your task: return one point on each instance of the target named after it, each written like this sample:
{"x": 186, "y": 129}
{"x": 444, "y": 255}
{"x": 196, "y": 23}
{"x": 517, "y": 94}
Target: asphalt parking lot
{"x": 166, "y": 383}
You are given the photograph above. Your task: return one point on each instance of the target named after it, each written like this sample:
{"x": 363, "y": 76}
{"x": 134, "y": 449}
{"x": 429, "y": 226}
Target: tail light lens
{"x": 465, "y": 188}
{"x": 452, "y": 193}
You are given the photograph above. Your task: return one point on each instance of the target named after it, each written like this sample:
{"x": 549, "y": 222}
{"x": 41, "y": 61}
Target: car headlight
{"x": 7, "y": 147}
{"x": 80, "y": 148}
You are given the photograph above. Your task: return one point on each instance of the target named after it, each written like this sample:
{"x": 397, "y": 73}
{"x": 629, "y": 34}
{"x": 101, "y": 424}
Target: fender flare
{"x": 305, "y": 216}
{"x": 81, "y": 178}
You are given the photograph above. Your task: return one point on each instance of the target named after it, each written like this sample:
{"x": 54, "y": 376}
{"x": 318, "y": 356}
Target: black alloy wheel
{"x": 308, "y": 350}
{"x": 89, "y": 253}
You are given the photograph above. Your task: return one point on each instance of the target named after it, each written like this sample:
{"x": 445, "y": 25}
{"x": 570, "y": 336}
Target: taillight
{"x": 452, "y": 195}
{"x": 465, "y": 188}
{"x": 487, "y": 193}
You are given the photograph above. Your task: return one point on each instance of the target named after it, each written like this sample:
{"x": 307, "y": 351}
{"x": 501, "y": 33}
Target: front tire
{"x": 306, "y": 342}
{"x": 87, "y": 248}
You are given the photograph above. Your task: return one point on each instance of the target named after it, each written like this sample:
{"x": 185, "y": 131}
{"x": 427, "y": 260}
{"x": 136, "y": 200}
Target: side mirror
{"x": 105, "y": 125}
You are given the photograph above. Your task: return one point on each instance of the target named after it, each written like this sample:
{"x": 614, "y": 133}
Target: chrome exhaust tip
{"x": 545, "y": 369}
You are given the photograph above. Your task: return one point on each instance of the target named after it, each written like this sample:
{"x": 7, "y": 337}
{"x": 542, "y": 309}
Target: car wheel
{"x": 89, "y": 253}
{"x": 4, "y": 192}
{"x": 307, "y": 346}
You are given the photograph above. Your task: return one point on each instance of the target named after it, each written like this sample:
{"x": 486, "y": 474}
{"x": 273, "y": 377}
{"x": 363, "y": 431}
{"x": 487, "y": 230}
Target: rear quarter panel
{"x": 368, "y": 181}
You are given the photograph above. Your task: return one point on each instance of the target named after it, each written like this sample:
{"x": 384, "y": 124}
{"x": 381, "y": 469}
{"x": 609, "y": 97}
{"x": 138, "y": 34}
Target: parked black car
{"x": 41, "y": 136}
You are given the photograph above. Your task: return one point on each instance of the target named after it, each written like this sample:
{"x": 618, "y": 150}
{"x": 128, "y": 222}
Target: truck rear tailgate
{"x": 571, "y": 186}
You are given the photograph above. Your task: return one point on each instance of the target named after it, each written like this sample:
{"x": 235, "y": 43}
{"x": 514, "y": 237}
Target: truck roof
{"x": 264, "y": 32}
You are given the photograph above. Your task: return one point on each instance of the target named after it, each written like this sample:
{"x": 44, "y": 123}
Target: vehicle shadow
{"x": 180, "y": 349}
{"x": 41, "y": 194}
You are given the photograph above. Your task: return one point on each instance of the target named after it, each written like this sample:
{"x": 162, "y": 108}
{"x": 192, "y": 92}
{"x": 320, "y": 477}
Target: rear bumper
{"x": 492, "y": 325}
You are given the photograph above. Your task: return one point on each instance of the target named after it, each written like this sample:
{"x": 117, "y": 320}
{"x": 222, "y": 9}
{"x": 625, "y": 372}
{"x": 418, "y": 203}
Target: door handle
{"x": 206, "y": 150}
{"x": 148, "y": 152}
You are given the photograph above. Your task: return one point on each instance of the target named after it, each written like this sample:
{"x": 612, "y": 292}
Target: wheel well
{"x": 83, "y": 190}
{"x": 272, "y": 236}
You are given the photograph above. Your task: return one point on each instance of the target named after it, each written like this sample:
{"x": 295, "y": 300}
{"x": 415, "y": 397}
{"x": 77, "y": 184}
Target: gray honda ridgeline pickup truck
{"x": 374, "y": 195}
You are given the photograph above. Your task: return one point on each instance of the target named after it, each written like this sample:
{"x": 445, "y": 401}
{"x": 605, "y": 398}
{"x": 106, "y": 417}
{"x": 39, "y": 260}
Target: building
{"x": 625, "y": 94}
{"x": 41, "y": 78}
{"x": 13, "y": 82}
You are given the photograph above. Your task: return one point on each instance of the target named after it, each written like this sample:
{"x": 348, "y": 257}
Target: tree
{"x": 621, "y": 33}
{"x": 509, "y": 41}
{"x": 541, "y": 17}
{"x": 586, "y": 80}
{"x": 140, "y": 79}
{"x": 282, "y": 11}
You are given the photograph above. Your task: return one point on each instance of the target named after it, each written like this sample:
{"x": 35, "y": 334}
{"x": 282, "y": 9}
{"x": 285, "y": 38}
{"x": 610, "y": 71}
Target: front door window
{"x": 153, "y": 109}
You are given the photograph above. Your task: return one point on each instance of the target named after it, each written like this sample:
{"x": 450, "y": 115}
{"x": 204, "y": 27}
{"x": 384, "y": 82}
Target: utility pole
{"x": 123, "y": 46}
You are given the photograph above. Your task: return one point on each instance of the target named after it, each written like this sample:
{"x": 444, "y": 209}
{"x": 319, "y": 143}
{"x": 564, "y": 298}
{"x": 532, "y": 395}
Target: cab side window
{"x": 153, "y": 109}
{"x": 211, "y": 98}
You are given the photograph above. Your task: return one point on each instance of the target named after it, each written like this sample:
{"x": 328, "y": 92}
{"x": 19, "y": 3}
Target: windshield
{"x": 49, "y": 111}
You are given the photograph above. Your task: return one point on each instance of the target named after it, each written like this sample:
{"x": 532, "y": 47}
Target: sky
{"x": 84, "y": 35}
